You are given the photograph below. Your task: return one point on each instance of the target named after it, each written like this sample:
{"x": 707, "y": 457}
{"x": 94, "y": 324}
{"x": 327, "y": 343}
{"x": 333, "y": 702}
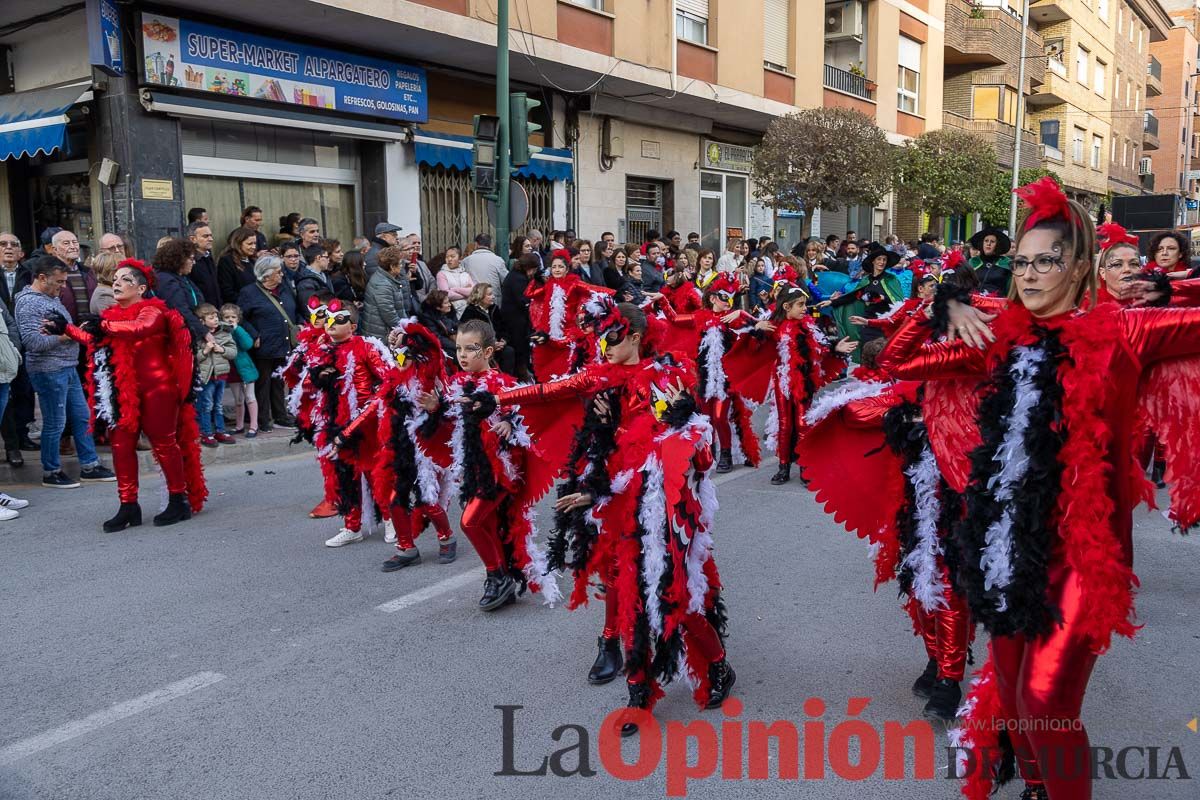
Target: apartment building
{"x": 1177, "y": 169}
{"x": 1137, "y": 81}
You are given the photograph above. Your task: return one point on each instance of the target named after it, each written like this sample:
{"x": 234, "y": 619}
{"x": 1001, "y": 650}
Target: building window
{"x": 1102, "y": 10}
{"x": 691, "y": 20}
{"x": 597, "y": 5}
{"x": 1097, "y": 149}
{"x": 1125, "y": 153}
{"x": 1049, "y": 134}
{"x": 775, "y": 34}
{"x": 908, "y": 80}
{"x": 1139, "y": 38}
{"x": 1128, "y": 91}
{"x": 994, "y": 102}
{"x": 1120, "y": 18}
{"x": 1112, "y": 156}
{"x": 1137, "y": 99}
{"x": 1101, "y": 77}
{"x": 1077, "y": 146}
{"x": 1081, "y": 64}
{"x": 1117, "y": 87}
{"x": 1132, "y": 25}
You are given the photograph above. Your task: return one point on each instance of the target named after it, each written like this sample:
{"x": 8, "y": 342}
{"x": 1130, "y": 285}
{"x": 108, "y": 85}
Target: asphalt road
{"x": 234, "y": 657}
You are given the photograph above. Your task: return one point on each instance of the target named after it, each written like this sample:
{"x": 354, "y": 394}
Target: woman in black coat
{"x": 172, "y": 262}
{"x": 270, "y": 308}
{"x": 437, "y": 314}
{"x": 514, "y": 311}
{"x": 481, "y": 305}
{"x": 235, "y": 268}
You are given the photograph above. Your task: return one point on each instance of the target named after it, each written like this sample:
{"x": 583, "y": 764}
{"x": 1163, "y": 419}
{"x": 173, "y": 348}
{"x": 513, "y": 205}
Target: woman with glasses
{"x": 1047, "y": 527}
{"x": 1171, "y": 253}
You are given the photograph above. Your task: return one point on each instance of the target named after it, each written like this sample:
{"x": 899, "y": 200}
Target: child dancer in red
{"x": 553, "y": 308}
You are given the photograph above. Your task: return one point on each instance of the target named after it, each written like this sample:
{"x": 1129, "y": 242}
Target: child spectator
{"x": 243, "y": 374}
{"x": 212, "y": 370}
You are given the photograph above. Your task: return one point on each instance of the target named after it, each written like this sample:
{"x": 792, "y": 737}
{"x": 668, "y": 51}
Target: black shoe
{"x": 944, "y": 700}
{"x": 923, "y": 686}
{"x": 59, "y": 480}
{"x": 609, "y": 661}
{"x": 1034, "y": 791}
{"x": 29, "y": 444}
{"x": 725, "y": 461}
{"x": 447, "y": 552}
{"x": 782, "y": 475}
{"x": 14, "y": 458}
{"x": 98, "y": 474}
{"x": 499, "y": 589}
{"x": 290, "y": 422}
{"x": 402, "y": 560}
{"x": 721, "y": 678}
{"x": 177, "y": 511}
{"x": 1157, "y": 472}
{"x": 639, "y": 697}
{"x": 129, "y": 515}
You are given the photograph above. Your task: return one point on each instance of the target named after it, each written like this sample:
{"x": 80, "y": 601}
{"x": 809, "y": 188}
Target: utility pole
{"x": 503, "y": 159}
{"x": 1016, "y": 168}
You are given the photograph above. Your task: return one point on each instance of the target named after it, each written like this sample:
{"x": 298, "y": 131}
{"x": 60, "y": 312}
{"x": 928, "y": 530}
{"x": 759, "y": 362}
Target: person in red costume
{"x": 553, "y": 308}
{"x": 140, "y": 369}
{"x": 786, "y": 360}
{"x": 1046, "y": 537}
{"x": 636, "y": 510}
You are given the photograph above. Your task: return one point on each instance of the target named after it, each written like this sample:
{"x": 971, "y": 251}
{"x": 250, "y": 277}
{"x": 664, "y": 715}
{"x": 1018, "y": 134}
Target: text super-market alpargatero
{"x": 258, "y": 56}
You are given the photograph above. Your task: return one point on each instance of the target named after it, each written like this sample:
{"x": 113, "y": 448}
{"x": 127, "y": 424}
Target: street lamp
{"x": 1016, "y": 167}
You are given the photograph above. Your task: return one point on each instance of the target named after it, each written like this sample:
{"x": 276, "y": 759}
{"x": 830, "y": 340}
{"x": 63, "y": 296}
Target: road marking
{"x": 115, "y": 713}
{"x": 430, "y": 592}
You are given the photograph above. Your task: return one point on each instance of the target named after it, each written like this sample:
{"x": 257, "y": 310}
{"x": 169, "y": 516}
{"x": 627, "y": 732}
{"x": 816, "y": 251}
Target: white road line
{"x": 430, "y": 592}
{"x": 115, "y": 713}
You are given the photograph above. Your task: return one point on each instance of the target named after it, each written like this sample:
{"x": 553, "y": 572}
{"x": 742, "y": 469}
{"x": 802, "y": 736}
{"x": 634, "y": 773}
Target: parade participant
{"x": 1049, "y": 568}
{"x": 897, "y": 314}
{"x": 992, "y": 265}
{"x": 501, "y": 474}
{"x": 332, "y": 385}
{"x": 872, "y": 296}
{"x": 553, "y": 307}
{"x": 636, "y": 511}
{"x": 140, "y": 369}
{"x": 718, "y": 327}
{"x": 786, "y": 360}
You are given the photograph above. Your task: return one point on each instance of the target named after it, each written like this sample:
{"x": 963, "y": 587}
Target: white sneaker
{"x": 389, "y": 530}
{"x": 7, "y": 514}
{"x": 344, "y": 537}
{"x": 7, "y": 501}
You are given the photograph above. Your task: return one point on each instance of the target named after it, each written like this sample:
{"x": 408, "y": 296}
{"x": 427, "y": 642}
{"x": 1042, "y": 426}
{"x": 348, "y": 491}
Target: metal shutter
{"x": 698, "y": 8}
{"x": 775, "y": 33}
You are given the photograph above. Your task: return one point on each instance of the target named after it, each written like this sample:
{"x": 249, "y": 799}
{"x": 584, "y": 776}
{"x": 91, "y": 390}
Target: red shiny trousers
{"x": 1042, "y": 682}
{"x": 408, "y": 524}
{"x": 789, "y": 426}
{"x": 480, "y": 524}
{"x": 946, "y": 632}
{"x": 159, "y": 410}
{"x": 718, "y": 411}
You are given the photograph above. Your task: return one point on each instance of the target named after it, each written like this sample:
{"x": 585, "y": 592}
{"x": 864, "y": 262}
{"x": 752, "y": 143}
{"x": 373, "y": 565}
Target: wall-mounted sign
{"x": 104, "y": 36}
{"x": 731, "y": 157}
{"x": 157, "y": 189}
{"x": 206, "y": 58}
{"x": 651, "y": 149}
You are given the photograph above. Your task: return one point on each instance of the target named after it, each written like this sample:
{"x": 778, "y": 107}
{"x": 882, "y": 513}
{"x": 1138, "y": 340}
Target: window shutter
{"x": 909, "y": 55}
{"x": 697, "y": 8}
{"x": 775, "y": 33}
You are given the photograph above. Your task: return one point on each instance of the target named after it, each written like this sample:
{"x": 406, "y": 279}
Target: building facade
{"x": 1137, "y": 80}
{"x": 1178, "y": 172}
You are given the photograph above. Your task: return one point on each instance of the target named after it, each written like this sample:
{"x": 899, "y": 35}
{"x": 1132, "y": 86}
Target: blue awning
{"x": 35, "y": 122}
{"x": 454, "y": 152}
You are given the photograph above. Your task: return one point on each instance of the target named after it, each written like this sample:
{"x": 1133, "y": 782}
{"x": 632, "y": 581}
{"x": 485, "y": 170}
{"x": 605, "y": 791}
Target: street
{"x": 234, "y": 657}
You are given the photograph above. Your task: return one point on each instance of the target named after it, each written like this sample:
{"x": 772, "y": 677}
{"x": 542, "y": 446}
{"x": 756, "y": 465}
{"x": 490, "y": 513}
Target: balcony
{"x": 1150, "y": 132}
{"x": 1000, "y": 135}
{"x": 1147, "y": 181}
{"x": 982, "y": 36}
{"x": 1044, "y": 12}
{"x": 1154, "y": 86}
{"x": 1054, "y": 90}
{"x": 842, "y": 81}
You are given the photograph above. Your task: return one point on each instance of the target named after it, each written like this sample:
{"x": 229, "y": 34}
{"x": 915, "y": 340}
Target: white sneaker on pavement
{"x": 389, "y": 531}
{"x": 7, "y": 514}
{"x": 10, "y": 502}
{"x": 344, "y": 537}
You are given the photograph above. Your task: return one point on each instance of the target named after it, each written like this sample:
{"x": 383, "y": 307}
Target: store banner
{"x": 104, "y": 37}
{"x": 207, "y": 58}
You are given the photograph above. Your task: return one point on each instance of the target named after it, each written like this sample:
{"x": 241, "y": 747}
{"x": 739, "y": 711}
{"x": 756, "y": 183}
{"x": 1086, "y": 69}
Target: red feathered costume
{"x": 553, "y": 309}
{"x": 139, "y": 377}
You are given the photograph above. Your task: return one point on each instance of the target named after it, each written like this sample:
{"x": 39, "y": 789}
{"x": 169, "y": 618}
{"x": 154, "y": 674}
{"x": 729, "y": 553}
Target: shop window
{"x": 332, "y": 205}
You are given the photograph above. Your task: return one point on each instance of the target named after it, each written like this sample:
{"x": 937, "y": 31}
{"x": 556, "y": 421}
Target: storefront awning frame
{"x": 34, "y": 122}
{"x": 454, "y": 152}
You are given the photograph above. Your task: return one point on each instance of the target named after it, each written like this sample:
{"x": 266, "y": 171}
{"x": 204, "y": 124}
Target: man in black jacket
{"x": 204, "y": 269}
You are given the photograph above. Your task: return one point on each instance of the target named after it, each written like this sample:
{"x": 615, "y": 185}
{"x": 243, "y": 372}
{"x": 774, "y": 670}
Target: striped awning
{"x": 454, "y": 152}
{"x": 35, "y": 121}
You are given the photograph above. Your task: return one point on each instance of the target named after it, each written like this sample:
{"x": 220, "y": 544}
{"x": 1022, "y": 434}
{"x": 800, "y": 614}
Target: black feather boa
{"x": 1033, "y": 505}
{"x": 805, "y": 366}
{"x": 404, "y": 457}
{"x": 906, "y": 435}
{"x": 478, "y": 478}
{"x": 587, "y": 472}
{"x": 946, "y": 292}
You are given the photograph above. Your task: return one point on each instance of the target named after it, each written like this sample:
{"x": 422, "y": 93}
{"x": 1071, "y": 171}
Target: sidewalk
{"x": 262, "y": 447}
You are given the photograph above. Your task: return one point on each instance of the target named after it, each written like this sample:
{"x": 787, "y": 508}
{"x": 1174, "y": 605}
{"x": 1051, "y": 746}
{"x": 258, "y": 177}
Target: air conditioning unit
{"x": 1144, "y": 167}
{"x": 843, "y": 21}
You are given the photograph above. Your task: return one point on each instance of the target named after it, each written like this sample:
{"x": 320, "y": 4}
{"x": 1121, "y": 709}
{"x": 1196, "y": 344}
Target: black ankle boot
{"x": 1157, "y": 472}
{"x": 608, "y": 661}
{"x": 177, "y": 511}
{"x": 782, "y": 475}
{"x": 944, "y": 700}
{"x": 499, "y": 589}
{"x": 721, "y": 678}
{"x": 725, "y": 461}
{"x": 1034, "y": 791}
{"x": 639, "y": 697}
{"x": 923, "y": 686}
{"x": 129, "y": 515}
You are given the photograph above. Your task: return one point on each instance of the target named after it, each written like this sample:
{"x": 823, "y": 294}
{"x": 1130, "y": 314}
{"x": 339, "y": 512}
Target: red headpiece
{"x": 142, "y": 267}
{"x": 418, "y": 348}
{"x": 1045, "y": 199}
{"x": 953, "y": 261}
{"x": 564, "y": 254}
{"x": 602, "y": 315}
{"x": 786, "y": 273}
{"x": 1111, "y": 233}
{"x": 725, "y": 283}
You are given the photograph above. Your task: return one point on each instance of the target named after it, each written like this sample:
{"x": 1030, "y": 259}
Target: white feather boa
{"x": 840, "y": 394}
{"x": 102, "y": 375}
{"x": 712, "y": 345}
{"x": 928, "y": 587}
{"x": 653, "y": 516}
{"x": 996, "y": 560}
{"x": 537, "y": 571}
{"x": 558, "y": 312}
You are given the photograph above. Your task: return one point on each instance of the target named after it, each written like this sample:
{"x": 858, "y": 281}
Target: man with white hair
{"x": 77, "y": 292}
{"x": 412, "y": 243}
{"x": 113, "y": 243}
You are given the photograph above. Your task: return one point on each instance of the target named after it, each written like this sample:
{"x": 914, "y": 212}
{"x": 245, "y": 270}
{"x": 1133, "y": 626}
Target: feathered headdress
{"x": 142, "y": 267}
{"x": 418, "y": 347}
{"x": 953, "y": 261}
{"x": 724, "y": 284}
{"x": 564, "y": 254}
{"x": 316, "y": 308}
{"x": 1045, "y": 200}
{"x": 601, "y": 313}
{"x": 1110, "y": 233}
{"x": 785, "y": 273}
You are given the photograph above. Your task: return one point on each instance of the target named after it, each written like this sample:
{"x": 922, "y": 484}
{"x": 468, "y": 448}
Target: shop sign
{"x": 104, "y": 37}
{"x": 729, "y": 157}
{"x": 157, "y": 189}
{"x": 734, "y": 233}
{"x": 206, "y": 58}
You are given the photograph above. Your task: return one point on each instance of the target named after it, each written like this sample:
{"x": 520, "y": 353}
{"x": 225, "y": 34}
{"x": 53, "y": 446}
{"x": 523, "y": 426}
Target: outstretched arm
{"x": 909, "y": 356}
{"x": 1157, "y": 333}
{"x": 583, "y": 384}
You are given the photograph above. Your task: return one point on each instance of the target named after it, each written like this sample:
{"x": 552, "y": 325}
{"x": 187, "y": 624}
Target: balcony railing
{"x": 847, "y": 82}
{"x": 1151, "y": 124}
{"x": 1154, "y": 68}
{"x": 1056, "y": 65}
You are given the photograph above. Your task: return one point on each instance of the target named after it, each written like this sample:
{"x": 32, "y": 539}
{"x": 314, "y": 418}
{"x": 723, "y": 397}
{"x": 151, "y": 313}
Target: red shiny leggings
{"x": 159, "y": 418}
{"x": 611, "y": 631}
{"x": 787, "y": 413}
{"x": 946, "y": 633}
{"x": 480, "y": 525}
{"x": 698, "y": 632}
{"x": 1042, "y": 683}
{"x": 718, "y": 412}
{"x": 409, "y": 523}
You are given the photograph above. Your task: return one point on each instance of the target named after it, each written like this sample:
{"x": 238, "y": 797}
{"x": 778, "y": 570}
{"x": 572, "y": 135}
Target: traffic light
{"x": 483, "y": 166}
{"x": 520, "y": 128}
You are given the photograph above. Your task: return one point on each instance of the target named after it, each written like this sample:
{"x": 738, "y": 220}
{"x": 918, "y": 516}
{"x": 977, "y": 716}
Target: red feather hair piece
{"x": 142, "y": 267}
{"x": 1045, "y": 200}
{"x": 1110, "y": 233}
